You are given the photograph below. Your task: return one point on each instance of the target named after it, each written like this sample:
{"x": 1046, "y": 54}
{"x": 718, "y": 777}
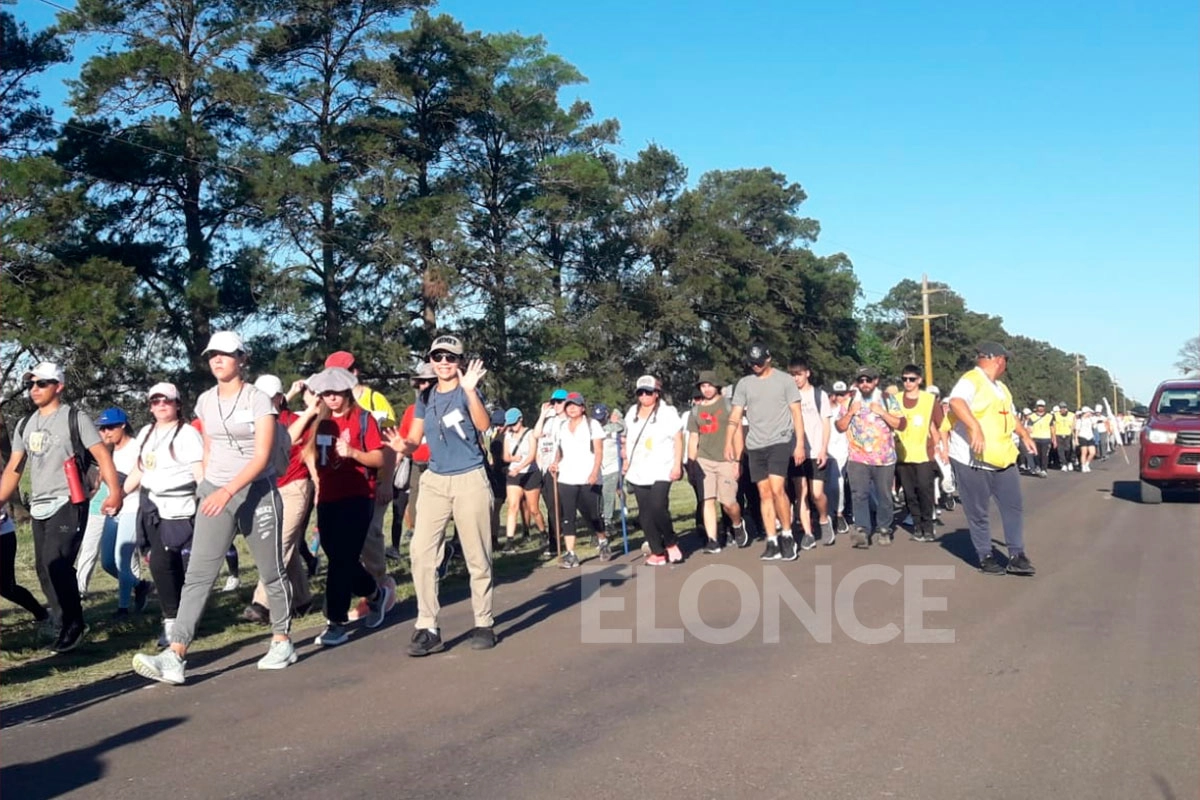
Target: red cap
{"x": 575, "y": 398}
{"x": 340, "y": 359}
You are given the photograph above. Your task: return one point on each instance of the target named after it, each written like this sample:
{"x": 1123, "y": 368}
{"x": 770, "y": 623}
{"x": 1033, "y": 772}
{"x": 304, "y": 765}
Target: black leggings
{"x": 399, "y": 507}
{"x": 654, "y": 512}
{"x": 343, "y": 525}
{"x": 168, "y": 565}
{"x": 584, "y": 499}
{"x": 9, "y": 588}
{"x": 917, "y": 481}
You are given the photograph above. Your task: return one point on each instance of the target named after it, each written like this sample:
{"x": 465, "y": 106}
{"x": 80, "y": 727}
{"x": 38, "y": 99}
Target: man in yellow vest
{"x": 1064, "y": 432}
{"x": 915, "y": 438}
{"x": 984, "y": 456}
{"x": 1041, "y": 428}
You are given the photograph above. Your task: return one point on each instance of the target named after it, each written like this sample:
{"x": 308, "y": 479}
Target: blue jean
{"x": 118, "y": 543}
{"x": 976, "y": 488}
{"x": 867, "y": 480}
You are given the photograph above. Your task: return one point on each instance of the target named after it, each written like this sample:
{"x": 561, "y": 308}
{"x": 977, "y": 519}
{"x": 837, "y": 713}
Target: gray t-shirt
{"x": 229, "y": 425}
{"x": 47, "y": 442}
{"x": 766, "y": 401}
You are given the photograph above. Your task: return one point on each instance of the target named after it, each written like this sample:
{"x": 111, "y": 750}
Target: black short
{"x": 1086, "y": 442}
{"x": 528, "y": 481}
{"x": 773, "y": 460}
{"x": 805, "y": 469}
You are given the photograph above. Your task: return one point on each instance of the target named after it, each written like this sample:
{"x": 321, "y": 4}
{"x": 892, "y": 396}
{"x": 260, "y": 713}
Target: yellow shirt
{"x": 1064, "y": 424}
{"x": 1039, "y": 427}
{"x": 379, "y": 407}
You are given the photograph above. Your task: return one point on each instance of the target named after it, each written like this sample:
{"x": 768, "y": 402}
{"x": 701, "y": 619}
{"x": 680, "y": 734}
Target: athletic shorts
{"x": 806, "y": 469}
{"x": 528, "y": 481}
{"x": 1086, "y": 442}
{"x": 720, "y": 481}
{"x": 773, "y": 460}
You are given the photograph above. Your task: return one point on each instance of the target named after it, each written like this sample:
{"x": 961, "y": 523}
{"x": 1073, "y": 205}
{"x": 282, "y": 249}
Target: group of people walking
{"x": 771, "y": 456}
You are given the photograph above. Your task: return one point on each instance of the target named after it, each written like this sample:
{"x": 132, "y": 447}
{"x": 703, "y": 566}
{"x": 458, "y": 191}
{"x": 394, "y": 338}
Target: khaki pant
{"x": 467, "y": 499}
{"x": 297, "y": 500}
{"x": 373, "y": 559}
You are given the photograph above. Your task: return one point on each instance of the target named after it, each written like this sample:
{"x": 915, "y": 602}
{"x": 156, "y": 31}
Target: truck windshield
{"x": 1179, "y": 401}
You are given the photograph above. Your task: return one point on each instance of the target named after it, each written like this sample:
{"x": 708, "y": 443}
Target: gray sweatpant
{"x": 257, "y": 513}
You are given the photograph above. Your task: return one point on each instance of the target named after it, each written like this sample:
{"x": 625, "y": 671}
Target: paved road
{"x": 1082, "y": 682}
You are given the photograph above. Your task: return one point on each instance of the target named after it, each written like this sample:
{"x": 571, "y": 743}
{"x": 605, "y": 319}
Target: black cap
{"x": 992, "y": 349}
{"x": 867, "y": 372}
{"x": 758, "y": 354}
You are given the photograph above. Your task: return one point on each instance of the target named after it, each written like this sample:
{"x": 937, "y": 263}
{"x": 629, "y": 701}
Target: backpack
{"x": 83, "y": 457}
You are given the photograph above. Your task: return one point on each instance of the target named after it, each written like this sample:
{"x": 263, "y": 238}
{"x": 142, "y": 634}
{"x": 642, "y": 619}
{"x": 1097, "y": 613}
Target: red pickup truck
{"x": 1169, "y": 455}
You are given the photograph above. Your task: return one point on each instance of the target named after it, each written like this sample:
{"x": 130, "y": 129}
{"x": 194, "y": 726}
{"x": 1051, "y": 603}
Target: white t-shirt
{"x": 651, "y": 444}
{"x": 548, "y": 442}
{"x": 170, "y": 479}
{"x": 125, "y": 461}
{"x": 839, "y": 445}
{"x": 1085, "y": 427}
{"x": 579, "y": 448}
{"x": 517, "y": 446}
{"x": 960, "y": 439}
{"x": 814, "y": 407}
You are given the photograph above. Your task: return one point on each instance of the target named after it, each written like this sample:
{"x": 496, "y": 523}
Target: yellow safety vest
{"x": 1040, "y": 426}
{"x": 1064, "y": 424}
{"x": 910, "y": 442}
{"x": 992, "y": 407}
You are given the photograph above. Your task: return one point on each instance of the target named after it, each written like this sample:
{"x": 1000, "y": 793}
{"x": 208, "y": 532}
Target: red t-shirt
{"x": 421, "y": 454}
{"x": 296, "y": 469}
{"x": 341, "y": 478}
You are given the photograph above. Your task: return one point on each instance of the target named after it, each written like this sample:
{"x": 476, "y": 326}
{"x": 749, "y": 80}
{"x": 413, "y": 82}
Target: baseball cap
{"x": 992, "y": 349}
{"x": 600, "y": 412}
{"x": 839, "y": 386}
{"x": 647, "y": 382}
{"x": 1039, "y": 403}
{"x": 46, "y": 371}
{"x": 425, "y": 373}
{"x": 866, "y": 372}
{"x": 558, "y": 394}
{"x": 575, "y": 398}
{"x": 708, "y": 376}
{"x": 112, "y": 416}
{"x": 1026, "y": 410}
{"x": 332, "y": 379}
{"x": 269, "y": 385}
{"x": 512, "y": 415}
{"x": 342, "y": 359}
{"x": 163, "y": 389}
{"x": 498, "y": 417}
{"x": 758, "y": 354}
{"x": 933, "y": 390}
{"x": 450, "y": 344}
{"x": 225, "y": 342}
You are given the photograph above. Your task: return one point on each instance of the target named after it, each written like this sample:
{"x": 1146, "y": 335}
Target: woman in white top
{"x": 118, "y": 540}
{"x": 169, "y": 466}
{"x": 577, "y": 465}
{"x": 653, "y": 460}
{"x": 1085, "y": 434}
{"x": 523, "y": 480}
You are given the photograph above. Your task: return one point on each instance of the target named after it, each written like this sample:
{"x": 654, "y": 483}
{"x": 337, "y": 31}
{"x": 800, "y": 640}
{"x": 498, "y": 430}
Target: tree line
{"x": 366, "y": 174}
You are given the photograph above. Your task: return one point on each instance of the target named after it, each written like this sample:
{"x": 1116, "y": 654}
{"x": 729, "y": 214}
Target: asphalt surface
{"x": 1081, "y": 682}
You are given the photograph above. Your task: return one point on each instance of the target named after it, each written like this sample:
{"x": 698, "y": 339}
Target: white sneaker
{"x": 279, "y": 656}
{"x": 232, "y": 583}
{"x": 166, "y": 667}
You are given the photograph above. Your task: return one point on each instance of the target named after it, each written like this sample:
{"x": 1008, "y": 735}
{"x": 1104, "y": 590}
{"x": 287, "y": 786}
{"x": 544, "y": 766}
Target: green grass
{"x": 28, "y": 669}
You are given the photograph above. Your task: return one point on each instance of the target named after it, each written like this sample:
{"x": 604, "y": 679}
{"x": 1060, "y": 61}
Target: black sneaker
{"x": 787, "y": 548}
{"x": 424, "y": 642}
{"x": 141, "y": 593}
{"x": 547, "y": 547}
{"x": 842, "y": 526}
{"x": 483, "y": 639}
{"x": 604, "y": 550}
{"x": 712, "y": 546}
{"x": 858, "y": 538}
{"x": 772, "y": 552}
{"x": 569, "y": 560}
{"x": 1020, "y": 565}
{"x": 741, "y": 536}
{"x": 988, "y": 565}
{"x": 256, "y": 612}
{"x": 808, "y": 542}
{"x": 70, "y": 637}
{"x": 510, "y": 547}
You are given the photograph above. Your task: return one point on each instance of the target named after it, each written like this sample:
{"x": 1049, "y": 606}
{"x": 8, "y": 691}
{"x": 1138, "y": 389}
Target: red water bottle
{"x": 74, "y": 482}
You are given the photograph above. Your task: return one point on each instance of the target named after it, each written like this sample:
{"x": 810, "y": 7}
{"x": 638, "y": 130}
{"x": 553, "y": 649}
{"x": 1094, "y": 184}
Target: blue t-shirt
{"x": 453, "y": 439}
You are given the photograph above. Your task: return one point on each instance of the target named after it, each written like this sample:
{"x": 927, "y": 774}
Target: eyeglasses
{"x": 41, "y": 384}
{"x": 439, "y": 357}
{"x": 911, "y": 379}
{"x": 160, "y": 400}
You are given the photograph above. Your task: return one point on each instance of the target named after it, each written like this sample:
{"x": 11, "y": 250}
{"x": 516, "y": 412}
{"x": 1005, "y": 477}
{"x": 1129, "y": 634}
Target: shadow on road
{"x": 958, "y": 544}
{"x": 65, "y": 772}
{"x": 1130, "y": 491}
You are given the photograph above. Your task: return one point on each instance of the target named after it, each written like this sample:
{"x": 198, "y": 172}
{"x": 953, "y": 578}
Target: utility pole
{"x": 1080, "y": 366}
{"x": 925, "y": 316}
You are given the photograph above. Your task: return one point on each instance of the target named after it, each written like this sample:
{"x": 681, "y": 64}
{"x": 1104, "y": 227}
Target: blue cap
{"x": 559, "y": 394}
{"x": 511, "y": 416}
{"x": 600, "y": 412}
{"x": 112, "y": 416}
{"x": 497, "y": 418}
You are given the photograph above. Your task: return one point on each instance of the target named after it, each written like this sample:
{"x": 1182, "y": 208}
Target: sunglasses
{"x": 439, "y": 357}
{"x": 108, "y": 427}
{"x": 910, "y": 379}
{"x": 641, "y": 392}
{"x": 159, "y": 400}
{"x": 865, "y": 379}
{"x": 41, "y": 384}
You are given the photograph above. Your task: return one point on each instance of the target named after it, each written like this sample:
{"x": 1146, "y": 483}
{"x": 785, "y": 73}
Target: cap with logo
{"x": 270, "y": 385}
{"x": 228, "y": 342}
{"x": 839, "y": 386}
{"x": 512, "y": 415}
{"x": 600, "y": 412}
{"x": 992, "y": 350}
{"x": 709, "y": 376}
{"x": 46, "y": 371}
{"x": 647, "y": 382}
{"x": 558, "y": 394}
{"x": 575, "y": 399}
{"x": 758, "y": 354}
{"x": 447, "y": 344}
{"x": 332, "y": 379}
{"x": 867, "y": 372}
{"x": 112, "y": 416}
{"x": 163, "y": 389}
{"x": 342, "y": 359}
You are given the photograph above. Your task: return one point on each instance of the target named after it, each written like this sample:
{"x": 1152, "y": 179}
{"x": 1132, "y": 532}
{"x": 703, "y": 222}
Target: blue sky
{"x": 1041, "y": 158}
